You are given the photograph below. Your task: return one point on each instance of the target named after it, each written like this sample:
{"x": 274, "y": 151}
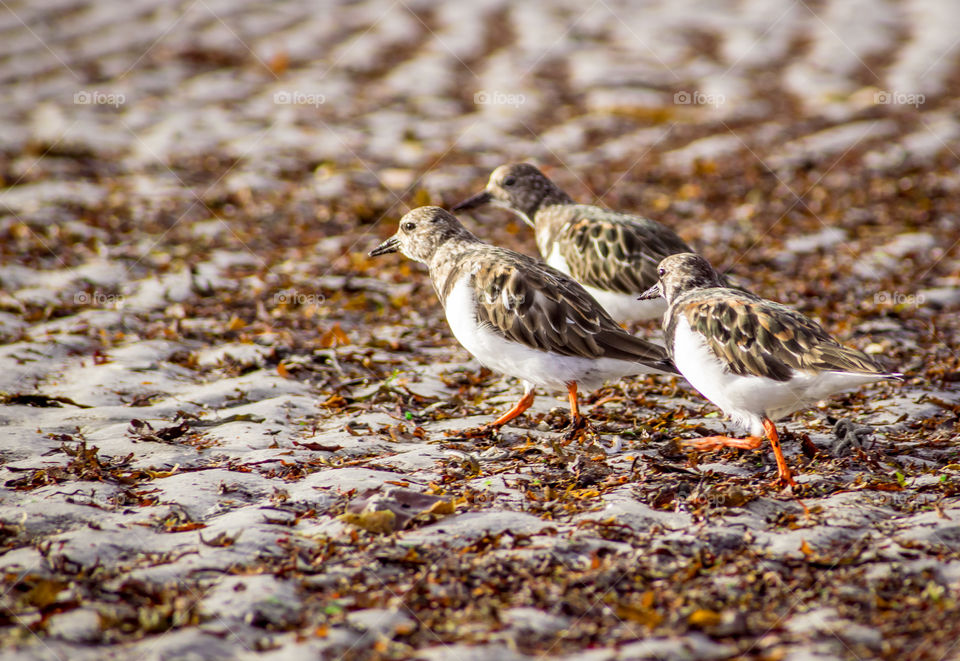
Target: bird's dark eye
{"x": 509, "y": 181}
{"x": 661, "y": 272}
{"x": 408, "y": 227}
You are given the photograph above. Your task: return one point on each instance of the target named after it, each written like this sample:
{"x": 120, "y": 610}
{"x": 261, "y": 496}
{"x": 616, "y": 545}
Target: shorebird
{"x": 613, "y": 255}
{"x": 519, "y": 316}
{"x": 755, "y": 359}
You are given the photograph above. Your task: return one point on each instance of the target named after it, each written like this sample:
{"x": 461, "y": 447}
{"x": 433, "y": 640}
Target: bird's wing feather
{"x": 614, "y": 252}
{"x": 755, "y": 337}
{"x": 531, "y": 303}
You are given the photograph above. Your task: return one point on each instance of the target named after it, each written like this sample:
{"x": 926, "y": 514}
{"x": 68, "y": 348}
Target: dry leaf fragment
{"x": 334, "y": 402}
{"x": 442, "y": 507}
{"x": 639, "y": 614}
{"x": 221, "y": 540}
{"x": 186, "y": 527}
{"x": 375, "y": 522}
{"x": 43, "y": 593}
{"x": 704, "y": 618}
{"x": 318, "y": 447}
{"x": 38, "y": 400}
{"x": 335, "y": 337}
{"x": 279, "y": 63}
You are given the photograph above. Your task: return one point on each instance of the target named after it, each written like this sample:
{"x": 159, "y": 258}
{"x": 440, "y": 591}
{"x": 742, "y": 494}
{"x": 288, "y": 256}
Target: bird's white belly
{"x": 747, "y": 399}
{"x": 622, "y": 307}
{"x": 556, "y": 260}
{"x": 540, "y": 368}
{"x": 626, "y": 307}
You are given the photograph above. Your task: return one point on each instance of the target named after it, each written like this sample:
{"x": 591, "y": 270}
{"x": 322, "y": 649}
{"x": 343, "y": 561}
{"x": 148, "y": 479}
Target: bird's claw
{"x": 578, "y": 430}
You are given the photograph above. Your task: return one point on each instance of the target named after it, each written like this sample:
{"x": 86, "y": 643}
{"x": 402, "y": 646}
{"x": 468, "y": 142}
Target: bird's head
{"x": 680, "y": 273}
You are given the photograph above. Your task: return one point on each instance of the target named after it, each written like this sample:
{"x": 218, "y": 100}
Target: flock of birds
{"x": 556, "y": 324}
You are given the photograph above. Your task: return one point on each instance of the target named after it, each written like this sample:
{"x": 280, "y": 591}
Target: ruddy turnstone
{"x": 518, "y": 316}
{"x": 755, "y": 359}
{"x": 613, "y": 255}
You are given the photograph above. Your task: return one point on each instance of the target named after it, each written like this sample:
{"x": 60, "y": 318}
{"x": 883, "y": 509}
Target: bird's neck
{"x": 548, "y": 222}
{"x": 445, "y": 260}
{"x": 551, "y": 196}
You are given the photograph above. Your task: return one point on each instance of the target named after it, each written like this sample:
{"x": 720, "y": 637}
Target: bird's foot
{"x": 708, "y": 443}
{"x": 784, "y": 476}
{"x": 783, "y": 480}
{"x": 579, "y": 429}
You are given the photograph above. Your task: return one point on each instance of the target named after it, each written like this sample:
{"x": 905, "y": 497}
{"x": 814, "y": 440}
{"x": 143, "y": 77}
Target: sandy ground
{"x": 227, "y": 433}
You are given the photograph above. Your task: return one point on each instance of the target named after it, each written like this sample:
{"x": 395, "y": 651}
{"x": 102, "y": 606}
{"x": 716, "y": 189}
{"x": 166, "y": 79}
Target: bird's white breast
{"x": 556, "y": 260}
{"x": 622, "y": 307}
{"x": 540, "y": 368}
{"x": 747, "y": 399}
{"x": 626, "y": 307}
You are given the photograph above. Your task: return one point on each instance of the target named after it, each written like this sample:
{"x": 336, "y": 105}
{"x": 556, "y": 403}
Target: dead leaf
{"x": 335, "y": 337}
{"x": 334, "y": 402}
{"x": 639, "y": 614}
{"x": 235, "y": 323}
{"x": 43, "y": 593}
{"x": 376, "y": 522}
{"x": 318, "y": 447}
{"x": 222, "y": 540}
{"x": 442, "y": 507}
{"x": 704, "y": 618}
{"x": 38, "y": 400}
{"x": 279, "y": 63}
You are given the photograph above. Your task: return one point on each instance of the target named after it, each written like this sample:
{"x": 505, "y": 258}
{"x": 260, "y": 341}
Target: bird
{"x": 613, "y": 255}
{"x": 521, "y": 317}
{"x": 757, "y": 360}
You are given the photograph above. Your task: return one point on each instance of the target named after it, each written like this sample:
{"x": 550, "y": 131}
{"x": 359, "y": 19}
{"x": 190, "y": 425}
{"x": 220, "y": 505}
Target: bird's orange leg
{"x": 784, "y": 476}
{"x": 525, "y": 402}
{"x": 578, "y": 423}
{"x": 575, "y": 417}
{"x": 708, "y": 443}
{"x": 783, "y": 471}
{"x": 607, "y": 399}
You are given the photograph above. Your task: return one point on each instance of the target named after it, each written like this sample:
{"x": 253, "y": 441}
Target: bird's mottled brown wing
{"x": 756, "y": 337}
{"x": 529, "y": 302}
{"x": 616, "y": 252}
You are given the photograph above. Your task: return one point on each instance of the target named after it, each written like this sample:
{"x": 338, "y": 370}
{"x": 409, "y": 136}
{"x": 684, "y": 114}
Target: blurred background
{"x": 817, "y": 142}
{"x": 188, "y": 190}
{"x": 810, "y": 148}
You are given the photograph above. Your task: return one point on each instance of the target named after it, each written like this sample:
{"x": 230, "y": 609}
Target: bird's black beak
{"x": 477, "y": 200}
{"x": 653, "y": 292}
{"x": 390, "y": 245}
